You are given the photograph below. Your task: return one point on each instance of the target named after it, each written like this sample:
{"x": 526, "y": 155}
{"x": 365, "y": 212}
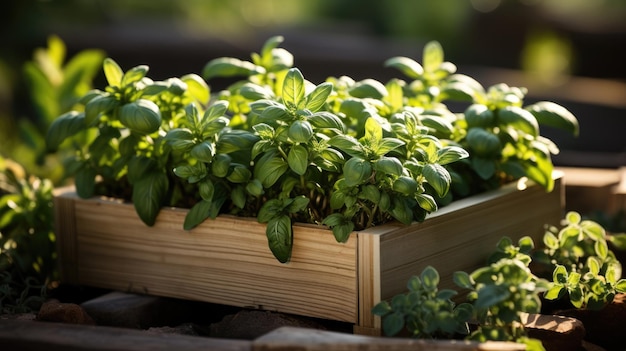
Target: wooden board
{"x": 103, "y": 243}
{"x": 225, "y": 261}
{"x": 458, "y": 237}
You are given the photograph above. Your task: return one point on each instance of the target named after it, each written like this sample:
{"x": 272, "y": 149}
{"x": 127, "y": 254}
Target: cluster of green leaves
{"x": 26, "y": 223}
{"x": 54, "y": 86}
{"x": 425, "y": 311}
{"x": 501, "y": 135}
{"x": 585, "y": 270}
{"x": 345, "y": 154}
{"x": 27, "y": 241}
{"x": 498, "y": 293}
{"x": 119, "y": 138}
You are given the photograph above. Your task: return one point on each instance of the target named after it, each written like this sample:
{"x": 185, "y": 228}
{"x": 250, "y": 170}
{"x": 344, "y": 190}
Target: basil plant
{"x": 344, "y": 154}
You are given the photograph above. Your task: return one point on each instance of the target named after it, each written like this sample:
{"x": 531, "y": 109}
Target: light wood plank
{"x": 224, "y": 261}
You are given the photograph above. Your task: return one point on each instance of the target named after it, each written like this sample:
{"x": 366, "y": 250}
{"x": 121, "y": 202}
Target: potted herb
{"x": 280, "y": 160}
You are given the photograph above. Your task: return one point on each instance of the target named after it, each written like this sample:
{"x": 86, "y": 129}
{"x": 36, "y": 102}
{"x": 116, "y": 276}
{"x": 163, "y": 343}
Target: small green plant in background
{"x": 425, "y": 311}
{"x": 27, "y": 241}
{"x": 54, "y": 87}
{"x": 585, "y": 269}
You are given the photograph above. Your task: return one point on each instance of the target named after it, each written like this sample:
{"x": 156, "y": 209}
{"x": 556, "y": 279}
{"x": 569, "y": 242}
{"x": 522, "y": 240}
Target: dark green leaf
{"x": 280, "y": 237}
{"x": 389, "y": 165}
{"x": 238, "y": 196}
{"x": 356, "y": 171}
{"x": 203, "y": 152}
{"x": 438, "y": 177}
{"x": 197, "y": 214}
{"x": 138, "y": 167}
{"x": 348, "y": 144}
{"x": 298, "y": 159}
{"x": 99, "y": 105}
{"x": 326, "y": 120}
{"x": 85, "y": 181}
{"x": 520, "y": 119}
{"x": 149, "y": 196}
{"x": 450, "y": 154}
{"x": 64, "y": 127}
{"x": 393, "y": 323}
{"x": 300, "y": 131}
{"x": 270, "y": 168}
{"x": 491, "y": 295}
{"x": 463, "y": 280}
{"x": 141, "y": 116}
{"x": 554, "y": 115}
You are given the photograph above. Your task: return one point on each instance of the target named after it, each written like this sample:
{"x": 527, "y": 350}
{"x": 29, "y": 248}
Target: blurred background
{"x": 567, "y": 51}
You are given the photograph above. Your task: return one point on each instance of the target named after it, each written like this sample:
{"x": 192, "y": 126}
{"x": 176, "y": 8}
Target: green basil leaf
{"x": 238, "y": 196}
{"x": 197, "y": 214}
{"x": 388, "y": 144}
{"x": 317, "y": 98}
{"x": 356, "y": 171}
{"x": 230, "y": 67}
{"x": 298, "y": 159}
{"x": 141, "y": 116}
{"x": 438, "y": 177}
{"x": 326, "y": 120}
{"x": 197, "y": 88}
{"x": 203, "y": 152}
{"x": 85, "y": 181}
{"x": 270, "y": 168}
{"x": 112, "y": 72}
{"x": 432, "y": 56}
{"x": 348, "y": 144}
{"x": 554, "y": 115}
{"x": 300, "y": 131}
{"x": 149, "y": 195}
{"x": 138, "y": 167}
{"x": 407, "y": 66}
{"x": 293, "y": 89}
{"x": 368, "y": 88}
{"x": 450, "y": 154}
{"x": 99, "y": 105}
{"x": 134, "y": 75}
{"x": 280, "y": 237}
{"x": 520, "y": 119}
{"x": 65, "y": 126}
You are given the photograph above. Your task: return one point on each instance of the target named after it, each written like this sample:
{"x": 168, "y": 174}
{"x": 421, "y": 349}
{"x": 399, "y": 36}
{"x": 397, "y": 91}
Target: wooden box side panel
{"x": 65, "y": 232}
{"x": 468, "y": 235}
{"x": 225, "y": 261}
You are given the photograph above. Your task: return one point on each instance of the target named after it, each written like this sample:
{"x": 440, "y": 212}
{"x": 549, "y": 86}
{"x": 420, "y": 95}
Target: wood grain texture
{"x": 460, "y": 237}
{"x": 224, "y": 261}
{"x": 227, "y": 260}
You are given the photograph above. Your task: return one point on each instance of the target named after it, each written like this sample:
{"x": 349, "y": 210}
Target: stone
{"x": 555, "y": 332}
{"x": 604, "y": 327}
{"x": 71, "y": 313}
{"x": 251, "y": 324}
{"x": 183, "y": 329}
{"x": 136, "y": 311}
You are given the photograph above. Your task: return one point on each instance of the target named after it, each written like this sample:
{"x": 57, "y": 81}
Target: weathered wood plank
{"x": 289, "y": 338}
{"x": 31, "y": 335}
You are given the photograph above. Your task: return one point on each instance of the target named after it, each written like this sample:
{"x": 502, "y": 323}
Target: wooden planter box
{"x": 102, "y": 243}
